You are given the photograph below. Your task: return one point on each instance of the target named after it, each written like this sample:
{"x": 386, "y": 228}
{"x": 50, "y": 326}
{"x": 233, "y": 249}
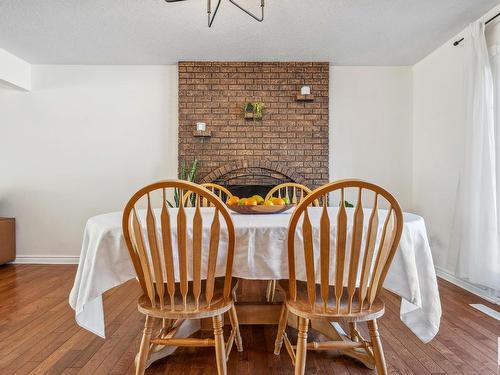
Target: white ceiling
{"x": 343, "y": 32}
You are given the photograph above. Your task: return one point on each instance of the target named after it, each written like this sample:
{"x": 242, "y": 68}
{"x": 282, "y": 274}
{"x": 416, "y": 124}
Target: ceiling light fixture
{"x": 212, "y": 17}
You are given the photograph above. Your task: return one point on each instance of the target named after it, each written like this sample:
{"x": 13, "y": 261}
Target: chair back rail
{"x": 152, "y": 253}
{"x": 356, "y": 273}
{"x": 296, "y": 193}
{"x": 223, "y": 193}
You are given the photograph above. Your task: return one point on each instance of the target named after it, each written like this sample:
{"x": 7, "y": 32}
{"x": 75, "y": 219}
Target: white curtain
{"x": 476, "y": 233}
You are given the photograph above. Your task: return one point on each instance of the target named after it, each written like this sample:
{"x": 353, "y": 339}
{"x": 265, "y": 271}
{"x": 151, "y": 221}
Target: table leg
{"x": 334, "y": 331}
{"x": 186, "y": 329}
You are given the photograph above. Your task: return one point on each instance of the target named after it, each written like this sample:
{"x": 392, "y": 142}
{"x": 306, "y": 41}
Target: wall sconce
{"x": 305, "y": 94}
{"x": 305, "y": 90}
{"x": 201, "y": 130}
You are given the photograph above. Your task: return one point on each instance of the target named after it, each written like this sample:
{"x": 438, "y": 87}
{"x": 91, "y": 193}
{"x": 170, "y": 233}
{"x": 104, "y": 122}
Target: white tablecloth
{"x": 260, "y": 253}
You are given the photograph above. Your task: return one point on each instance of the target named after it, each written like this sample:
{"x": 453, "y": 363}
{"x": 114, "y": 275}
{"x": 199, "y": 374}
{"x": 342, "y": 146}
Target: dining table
{"x": 260, "y": 254}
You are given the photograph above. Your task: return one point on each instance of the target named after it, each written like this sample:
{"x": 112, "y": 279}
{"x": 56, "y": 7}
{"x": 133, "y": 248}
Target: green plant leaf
{"x": 193, "y": 171}
{"x": 182, "y": 175}
{"x": 176, "y": 197}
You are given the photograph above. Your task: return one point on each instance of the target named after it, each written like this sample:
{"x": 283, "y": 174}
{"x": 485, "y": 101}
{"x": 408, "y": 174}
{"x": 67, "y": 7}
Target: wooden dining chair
{"x": 174, "y": 291}
{"x": 296, "y": 194}
{"x": 291, "y": 190}
{"x": 351, "y": 295}
{"x": 223, "y": 194}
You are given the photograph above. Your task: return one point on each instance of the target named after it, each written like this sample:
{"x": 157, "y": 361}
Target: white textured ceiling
{"x": 344, "y": 32}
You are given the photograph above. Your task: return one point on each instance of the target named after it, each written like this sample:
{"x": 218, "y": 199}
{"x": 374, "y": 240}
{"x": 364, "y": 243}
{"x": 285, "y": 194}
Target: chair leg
{"x": 268, "y": 290}
{"x": 143, "y": 355}
{"x": 233, "y": 317}
{"x": 220, "y": 349}
{"x": 272, "y": 291}
{"x": 300, "y": 359}
{"x": 378, "y": 352}
{"x": 281, "y": 330}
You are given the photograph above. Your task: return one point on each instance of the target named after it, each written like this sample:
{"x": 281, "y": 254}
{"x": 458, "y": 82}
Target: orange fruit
{"x": 268, "y": 203}
{"x": 233, "y": 200}
{"x": 251, "y": 202}
{"x": 278, "y": 202}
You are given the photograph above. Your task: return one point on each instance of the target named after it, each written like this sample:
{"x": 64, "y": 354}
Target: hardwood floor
{"x": 38, "y": 335}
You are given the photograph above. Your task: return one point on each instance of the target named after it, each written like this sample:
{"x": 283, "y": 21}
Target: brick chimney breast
{"x": 289, "y": 143}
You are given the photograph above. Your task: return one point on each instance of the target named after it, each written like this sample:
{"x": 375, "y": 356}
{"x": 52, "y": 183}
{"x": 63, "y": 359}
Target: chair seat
{"x": 217, "y": 307}
{"x": 301, "y": 306}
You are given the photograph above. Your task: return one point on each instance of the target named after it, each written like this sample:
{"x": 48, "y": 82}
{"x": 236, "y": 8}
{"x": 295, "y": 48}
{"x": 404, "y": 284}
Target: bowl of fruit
{"x": 257, "y": 205}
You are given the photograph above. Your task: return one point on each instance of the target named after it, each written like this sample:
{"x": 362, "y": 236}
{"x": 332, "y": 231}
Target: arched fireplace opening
{"x": 245, "y": 178}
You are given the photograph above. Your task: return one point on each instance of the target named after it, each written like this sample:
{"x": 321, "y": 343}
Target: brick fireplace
{"x": 289, "y": 143}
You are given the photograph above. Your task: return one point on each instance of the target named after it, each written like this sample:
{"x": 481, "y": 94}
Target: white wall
{"x": 14, "y": 71}
{"x": 438, "y": 143}
{"x": 80, "y": 144}
{"x": 370, "y": 132}
{"x": 87, "y": 137}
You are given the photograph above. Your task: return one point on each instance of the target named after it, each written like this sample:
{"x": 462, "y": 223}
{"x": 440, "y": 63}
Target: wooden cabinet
{"x": 7, "y": 239}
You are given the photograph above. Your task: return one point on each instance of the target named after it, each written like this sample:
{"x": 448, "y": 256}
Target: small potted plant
{"x": 187, "y": 174}
{"x": 253, "y": 110}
